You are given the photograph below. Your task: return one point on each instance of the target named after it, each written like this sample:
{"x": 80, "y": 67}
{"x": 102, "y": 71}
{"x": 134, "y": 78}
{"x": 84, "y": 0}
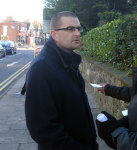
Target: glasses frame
{"x": 71, "y": 28}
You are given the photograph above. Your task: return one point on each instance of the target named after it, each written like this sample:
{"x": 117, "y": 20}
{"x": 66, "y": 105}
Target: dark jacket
{"x": 126, "y": 135}
{"x": 57, "y": 112}
{"x": 23, "y": 90}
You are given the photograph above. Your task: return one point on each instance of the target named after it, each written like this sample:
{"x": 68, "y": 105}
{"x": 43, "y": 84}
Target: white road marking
{"x": 6, "y": 82}
{"x": 13, "y": 63}
{"x": 2, "y": 59}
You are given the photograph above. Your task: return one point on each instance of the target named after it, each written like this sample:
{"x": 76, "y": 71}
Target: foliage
{"x": 88, "y": 10}
{"x": 108, "y": 16}
{"x": 135, "y": 8}
{"x": 122, "y": 6}
{"x": 114, "y": 42}
{"x": 9, "y": 19}
{"x": 82, "y": 8}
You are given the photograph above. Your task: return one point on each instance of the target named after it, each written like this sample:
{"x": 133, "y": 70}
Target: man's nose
{"x": 77, "y": 32}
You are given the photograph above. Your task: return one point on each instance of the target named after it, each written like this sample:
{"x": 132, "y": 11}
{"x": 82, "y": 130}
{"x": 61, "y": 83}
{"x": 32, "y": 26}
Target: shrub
{"x": 114, "y": 42}
{"x": 108, "y": 16}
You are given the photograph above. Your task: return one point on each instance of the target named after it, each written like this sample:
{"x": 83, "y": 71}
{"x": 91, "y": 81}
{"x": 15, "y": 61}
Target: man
{"x": 57, "y": 111}
{"x": 37, "y": 51}
{"x": 121, "y": 134}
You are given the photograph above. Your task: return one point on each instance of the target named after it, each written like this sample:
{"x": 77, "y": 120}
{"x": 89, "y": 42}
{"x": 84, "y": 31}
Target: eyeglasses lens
{"x": 71, "y": 29}
{"x": 80, "y": 29}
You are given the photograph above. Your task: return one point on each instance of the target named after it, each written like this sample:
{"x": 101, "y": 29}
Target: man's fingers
{"x": 101, "y": 90}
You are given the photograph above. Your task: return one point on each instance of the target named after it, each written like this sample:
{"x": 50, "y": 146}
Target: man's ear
{"x": 53, "y": 34}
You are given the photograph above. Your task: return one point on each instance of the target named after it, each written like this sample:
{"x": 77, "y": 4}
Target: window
{"x": 4, "y": 30}
{"x": 12, "y": 27}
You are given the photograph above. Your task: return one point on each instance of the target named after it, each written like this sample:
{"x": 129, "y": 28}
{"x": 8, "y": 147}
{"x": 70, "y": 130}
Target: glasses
{"x": 71, "y": 29}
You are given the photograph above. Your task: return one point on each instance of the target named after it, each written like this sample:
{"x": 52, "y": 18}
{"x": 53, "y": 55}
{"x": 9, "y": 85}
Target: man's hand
{"x": 106, "y": 128}
{"x": 110, "y": 125}
{"x": 102, "y": 88}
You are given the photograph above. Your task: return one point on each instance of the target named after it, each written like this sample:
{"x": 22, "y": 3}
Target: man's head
{"x": 65, "y": 30}
{"x": 37, "y": 51}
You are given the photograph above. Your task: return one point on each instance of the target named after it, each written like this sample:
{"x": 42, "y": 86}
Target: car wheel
{"x": 4, "y": 54}
{"x": 12, "y": 52}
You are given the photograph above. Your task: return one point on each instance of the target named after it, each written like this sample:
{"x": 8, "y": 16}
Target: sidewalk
{"x": 28, "y": 47}
{"x": 13, "y": 132}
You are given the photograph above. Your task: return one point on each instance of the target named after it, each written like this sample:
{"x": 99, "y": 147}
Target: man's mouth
{"x": 76, "y": 40}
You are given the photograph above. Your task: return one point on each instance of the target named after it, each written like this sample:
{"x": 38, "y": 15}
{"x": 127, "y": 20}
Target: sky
{"x": 22, "y": 9}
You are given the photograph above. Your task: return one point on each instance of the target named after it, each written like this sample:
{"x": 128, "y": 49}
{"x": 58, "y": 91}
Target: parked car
{"x": 9, "y": 46}
{"x": 2, "y": 51}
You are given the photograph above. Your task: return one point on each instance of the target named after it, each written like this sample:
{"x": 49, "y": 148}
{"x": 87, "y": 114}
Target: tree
{"x": 87, "y": 10}
{"x": 119, "y": 5}
{"x": 84, "y": 9}
{"x": 9, "y": 19}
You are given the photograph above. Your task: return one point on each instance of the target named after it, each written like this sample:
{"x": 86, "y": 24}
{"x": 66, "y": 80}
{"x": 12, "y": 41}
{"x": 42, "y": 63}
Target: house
{"x": 14, "y": 31}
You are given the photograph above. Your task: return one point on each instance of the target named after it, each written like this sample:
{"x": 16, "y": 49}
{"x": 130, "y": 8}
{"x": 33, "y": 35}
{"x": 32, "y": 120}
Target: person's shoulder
{"x": 38, "y": 63}
{"x": 36, "y": 70}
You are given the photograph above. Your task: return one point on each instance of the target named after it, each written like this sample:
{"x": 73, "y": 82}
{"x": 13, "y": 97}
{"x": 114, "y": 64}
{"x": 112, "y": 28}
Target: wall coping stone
{"x": 111, "y": 70}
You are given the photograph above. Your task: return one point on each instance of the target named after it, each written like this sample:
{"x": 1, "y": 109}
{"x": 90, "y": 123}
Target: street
{"x": 12, "y": 66}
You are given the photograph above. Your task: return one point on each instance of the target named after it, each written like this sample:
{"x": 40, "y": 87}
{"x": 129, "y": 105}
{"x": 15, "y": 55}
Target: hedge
{"x": 114, "y": 42}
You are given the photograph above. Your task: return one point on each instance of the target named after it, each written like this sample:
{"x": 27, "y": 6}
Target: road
{"x": 12, "y": 66}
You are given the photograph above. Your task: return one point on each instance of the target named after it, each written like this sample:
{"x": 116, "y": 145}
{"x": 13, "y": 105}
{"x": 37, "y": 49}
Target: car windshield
{"x": 8, "y": 44}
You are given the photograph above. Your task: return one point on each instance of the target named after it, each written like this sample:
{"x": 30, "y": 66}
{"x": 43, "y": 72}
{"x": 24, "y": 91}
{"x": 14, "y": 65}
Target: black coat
{"x": 57, "y": 111}
{"x": 126, "y": 135}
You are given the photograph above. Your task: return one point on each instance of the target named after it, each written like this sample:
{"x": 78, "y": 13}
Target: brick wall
{"x": 13, "y": 28}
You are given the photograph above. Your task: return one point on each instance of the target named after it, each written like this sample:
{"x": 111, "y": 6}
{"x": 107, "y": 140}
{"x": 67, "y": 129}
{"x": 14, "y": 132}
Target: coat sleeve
{"x": 124, "y": 121}
{"x": 126, "y": 139}
{"x": 122, "y": 93}
{"x": 42, "y": 116}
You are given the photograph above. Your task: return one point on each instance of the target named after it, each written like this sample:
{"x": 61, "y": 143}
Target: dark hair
{"x": 55, "y": 20}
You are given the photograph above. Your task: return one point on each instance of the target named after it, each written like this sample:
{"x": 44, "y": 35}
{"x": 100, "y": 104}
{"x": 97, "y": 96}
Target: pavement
{"x": 24, "y": 47}
{"x": 13, "y": 131}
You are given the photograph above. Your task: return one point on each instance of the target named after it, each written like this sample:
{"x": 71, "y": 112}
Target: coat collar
{"x": 67, "y": 59}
